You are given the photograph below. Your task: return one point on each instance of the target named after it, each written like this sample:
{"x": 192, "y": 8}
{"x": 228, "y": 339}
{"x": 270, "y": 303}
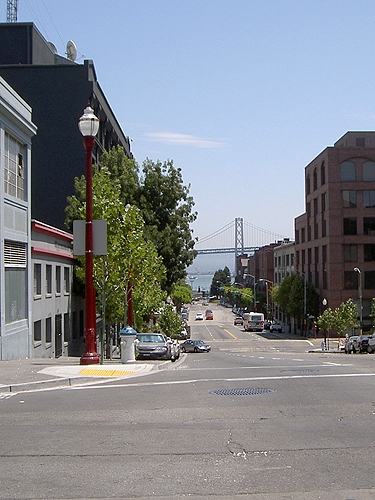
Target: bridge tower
{"x": 238, "y": 242}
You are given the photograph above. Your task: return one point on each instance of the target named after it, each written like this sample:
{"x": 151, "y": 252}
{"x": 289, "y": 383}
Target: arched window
{"x": 347, "y": 171}
{"x": 322, "y": 174}
{"x": 368, "y": 171}
{"x": 315, "y": 180}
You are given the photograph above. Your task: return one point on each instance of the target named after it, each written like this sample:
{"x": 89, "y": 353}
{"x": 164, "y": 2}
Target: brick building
{"x": 336, "y": 234}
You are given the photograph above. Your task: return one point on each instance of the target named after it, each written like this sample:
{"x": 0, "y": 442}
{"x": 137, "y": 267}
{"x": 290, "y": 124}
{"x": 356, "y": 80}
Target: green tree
{"x": 130, "y": 257}
{"x": 181, "y": 294}
{"x": 165, "y": 204}
{"x": 222, "y": 278}
{"x": 170, "y": 322}
{"x": 345, "y": 317}
{"x": 167, "y": 211}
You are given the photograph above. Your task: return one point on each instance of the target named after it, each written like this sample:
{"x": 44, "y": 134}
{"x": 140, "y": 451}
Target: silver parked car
{"x": 152, "y": 346}
{"x": 195, "y": 346}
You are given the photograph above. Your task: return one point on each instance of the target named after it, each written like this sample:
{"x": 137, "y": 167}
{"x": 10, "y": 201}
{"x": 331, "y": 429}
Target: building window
{"x": 369, "y": 252}
{"x": 48, "y": 330}
{"x": 347, "y": 171}
{"x": 369, "y": 199}
{"x": 349, "y": 198}
{"x": 315, "y": 206}
{"x": 322, "y": 174}
{"x": 66, "y": 327}
{"x": 14, "y": 168}
{"x": 368, "y": 171}
{"x": 307, "y": 185}
{"x": 297, "y": 236}
{"x": 369, "y": 280}
{"x": 369, "y": 225}
{"x": 303, "y": 235}
{"x": 309, "y": 254}
{"x": 37, "y": 279}
{"x": 316, "y": 279}
{"x": 309, "y": 233}
{"x": 292, "y": 259}
{"x": 58, "y": 279}
{"x": 350, "y": 280}
{"x": 48, "y": 279}
{"x": 308, "y": 209}
{"x": 303, "y": 257}
{"x": 66, "y": 280}
{"x": 37, "y": 331}
{"x": 350, "y": 225}
{"x": 324, "y": 228}
{"x": 316, "y": 230}
{"x": 325, "y": 279}
{"x": 287, "y": 259}
{"x": 350, "y": 253}
{"x": 316, "y": 255}
{"x": 297, "y": 257}
{"x": 315, "y": 179}
{"x": 15, "y": 281}
{"x": 275, "y": 264}
{"x": 324, "y": 201}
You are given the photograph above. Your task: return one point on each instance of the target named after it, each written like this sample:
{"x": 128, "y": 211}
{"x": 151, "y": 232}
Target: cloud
{"x": 182, "y": 140}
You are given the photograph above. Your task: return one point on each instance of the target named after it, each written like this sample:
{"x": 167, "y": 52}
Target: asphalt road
{"x": 258, "y": 417}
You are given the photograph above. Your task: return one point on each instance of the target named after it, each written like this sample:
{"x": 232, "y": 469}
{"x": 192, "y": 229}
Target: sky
{"x": 240, "y": 94}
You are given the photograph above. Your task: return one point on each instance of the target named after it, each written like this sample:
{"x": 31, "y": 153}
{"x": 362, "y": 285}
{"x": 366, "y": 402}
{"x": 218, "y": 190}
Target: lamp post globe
{"x": 88, "y": 125}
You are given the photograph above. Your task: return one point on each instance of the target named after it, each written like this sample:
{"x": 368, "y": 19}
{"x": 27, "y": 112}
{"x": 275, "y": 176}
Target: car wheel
{"x": 369, "y": 349}
{"x": 195, "y": 349}
{"x": 183, "y": 349}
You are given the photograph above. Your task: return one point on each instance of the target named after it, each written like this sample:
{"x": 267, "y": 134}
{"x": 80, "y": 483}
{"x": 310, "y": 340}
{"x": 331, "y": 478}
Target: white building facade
{"x": 16, "y": 131}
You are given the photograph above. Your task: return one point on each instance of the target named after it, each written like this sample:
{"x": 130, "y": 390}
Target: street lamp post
{"x": 325, "y": 303}
{"x": 357, "y": 270}
{"x": 88, "y": 125}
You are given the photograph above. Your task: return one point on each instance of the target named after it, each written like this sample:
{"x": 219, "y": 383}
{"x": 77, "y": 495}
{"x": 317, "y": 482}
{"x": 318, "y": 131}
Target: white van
{"x": 254, "y": 322}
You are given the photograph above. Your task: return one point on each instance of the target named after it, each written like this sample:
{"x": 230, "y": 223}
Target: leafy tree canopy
{"x": 221, "y": 278}
{"x": 164, "y": 201}
{"x": 170, "y": 322}
{"x": 181, "y": 294}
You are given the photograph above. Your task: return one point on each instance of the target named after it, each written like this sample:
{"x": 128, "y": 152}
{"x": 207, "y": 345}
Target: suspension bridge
{"x": 237, "y": 237}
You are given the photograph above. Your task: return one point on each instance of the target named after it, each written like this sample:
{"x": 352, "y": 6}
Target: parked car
{"x": 209, "y": 314}
{"x": 360, "y": 343}
{"x": 349, "y": 344}
{"x": 238, "y": 320}
{"x": 276, "y": 327}
{"x": 194, "y": 346}
{"x": 174, "y": 347}
{"x": 267, "y": 325}
{"x": 371, "y": 344}
{"x": 199, "y": 317}
{"x": 152, "y": 345}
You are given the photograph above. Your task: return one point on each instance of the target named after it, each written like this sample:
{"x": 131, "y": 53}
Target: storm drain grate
{"x": 245, "y": 391}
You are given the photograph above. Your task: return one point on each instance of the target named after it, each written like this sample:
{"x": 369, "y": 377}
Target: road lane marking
{"x": 231, "y": 334}
{"x": 224, "y": 379}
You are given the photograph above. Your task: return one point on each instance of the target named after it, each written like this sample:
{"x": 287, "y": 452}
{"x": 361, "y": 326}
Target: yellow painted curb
{"x": 105, "y": 373}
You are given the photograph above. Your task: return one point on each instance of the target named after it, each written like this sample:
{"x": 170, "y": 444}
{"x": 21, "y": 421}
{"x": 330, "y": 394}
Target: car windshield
{"x": 151, "y": 338}
{"x": 198, "y": 342}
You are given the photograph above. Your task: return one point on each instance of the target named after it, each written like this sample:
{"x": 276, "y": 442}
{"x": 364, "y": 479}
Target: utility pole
{"x": 12, "y": 11}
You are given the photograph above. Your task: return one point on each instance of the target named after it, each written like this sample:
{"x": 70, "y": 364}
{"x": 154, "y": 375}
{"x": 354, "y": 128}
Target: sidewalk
{"x": 40, "y": 373}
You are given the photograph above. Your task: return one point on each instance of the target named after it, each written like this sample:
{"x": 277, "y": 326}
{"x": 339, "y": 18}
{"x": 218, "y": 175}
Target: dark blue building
{"x": 58, "y": 90}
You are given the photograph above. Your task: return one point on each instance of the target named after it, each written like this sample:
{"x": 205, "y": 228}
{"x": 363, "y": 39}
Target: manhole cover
{"x": 246, "y": 391}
